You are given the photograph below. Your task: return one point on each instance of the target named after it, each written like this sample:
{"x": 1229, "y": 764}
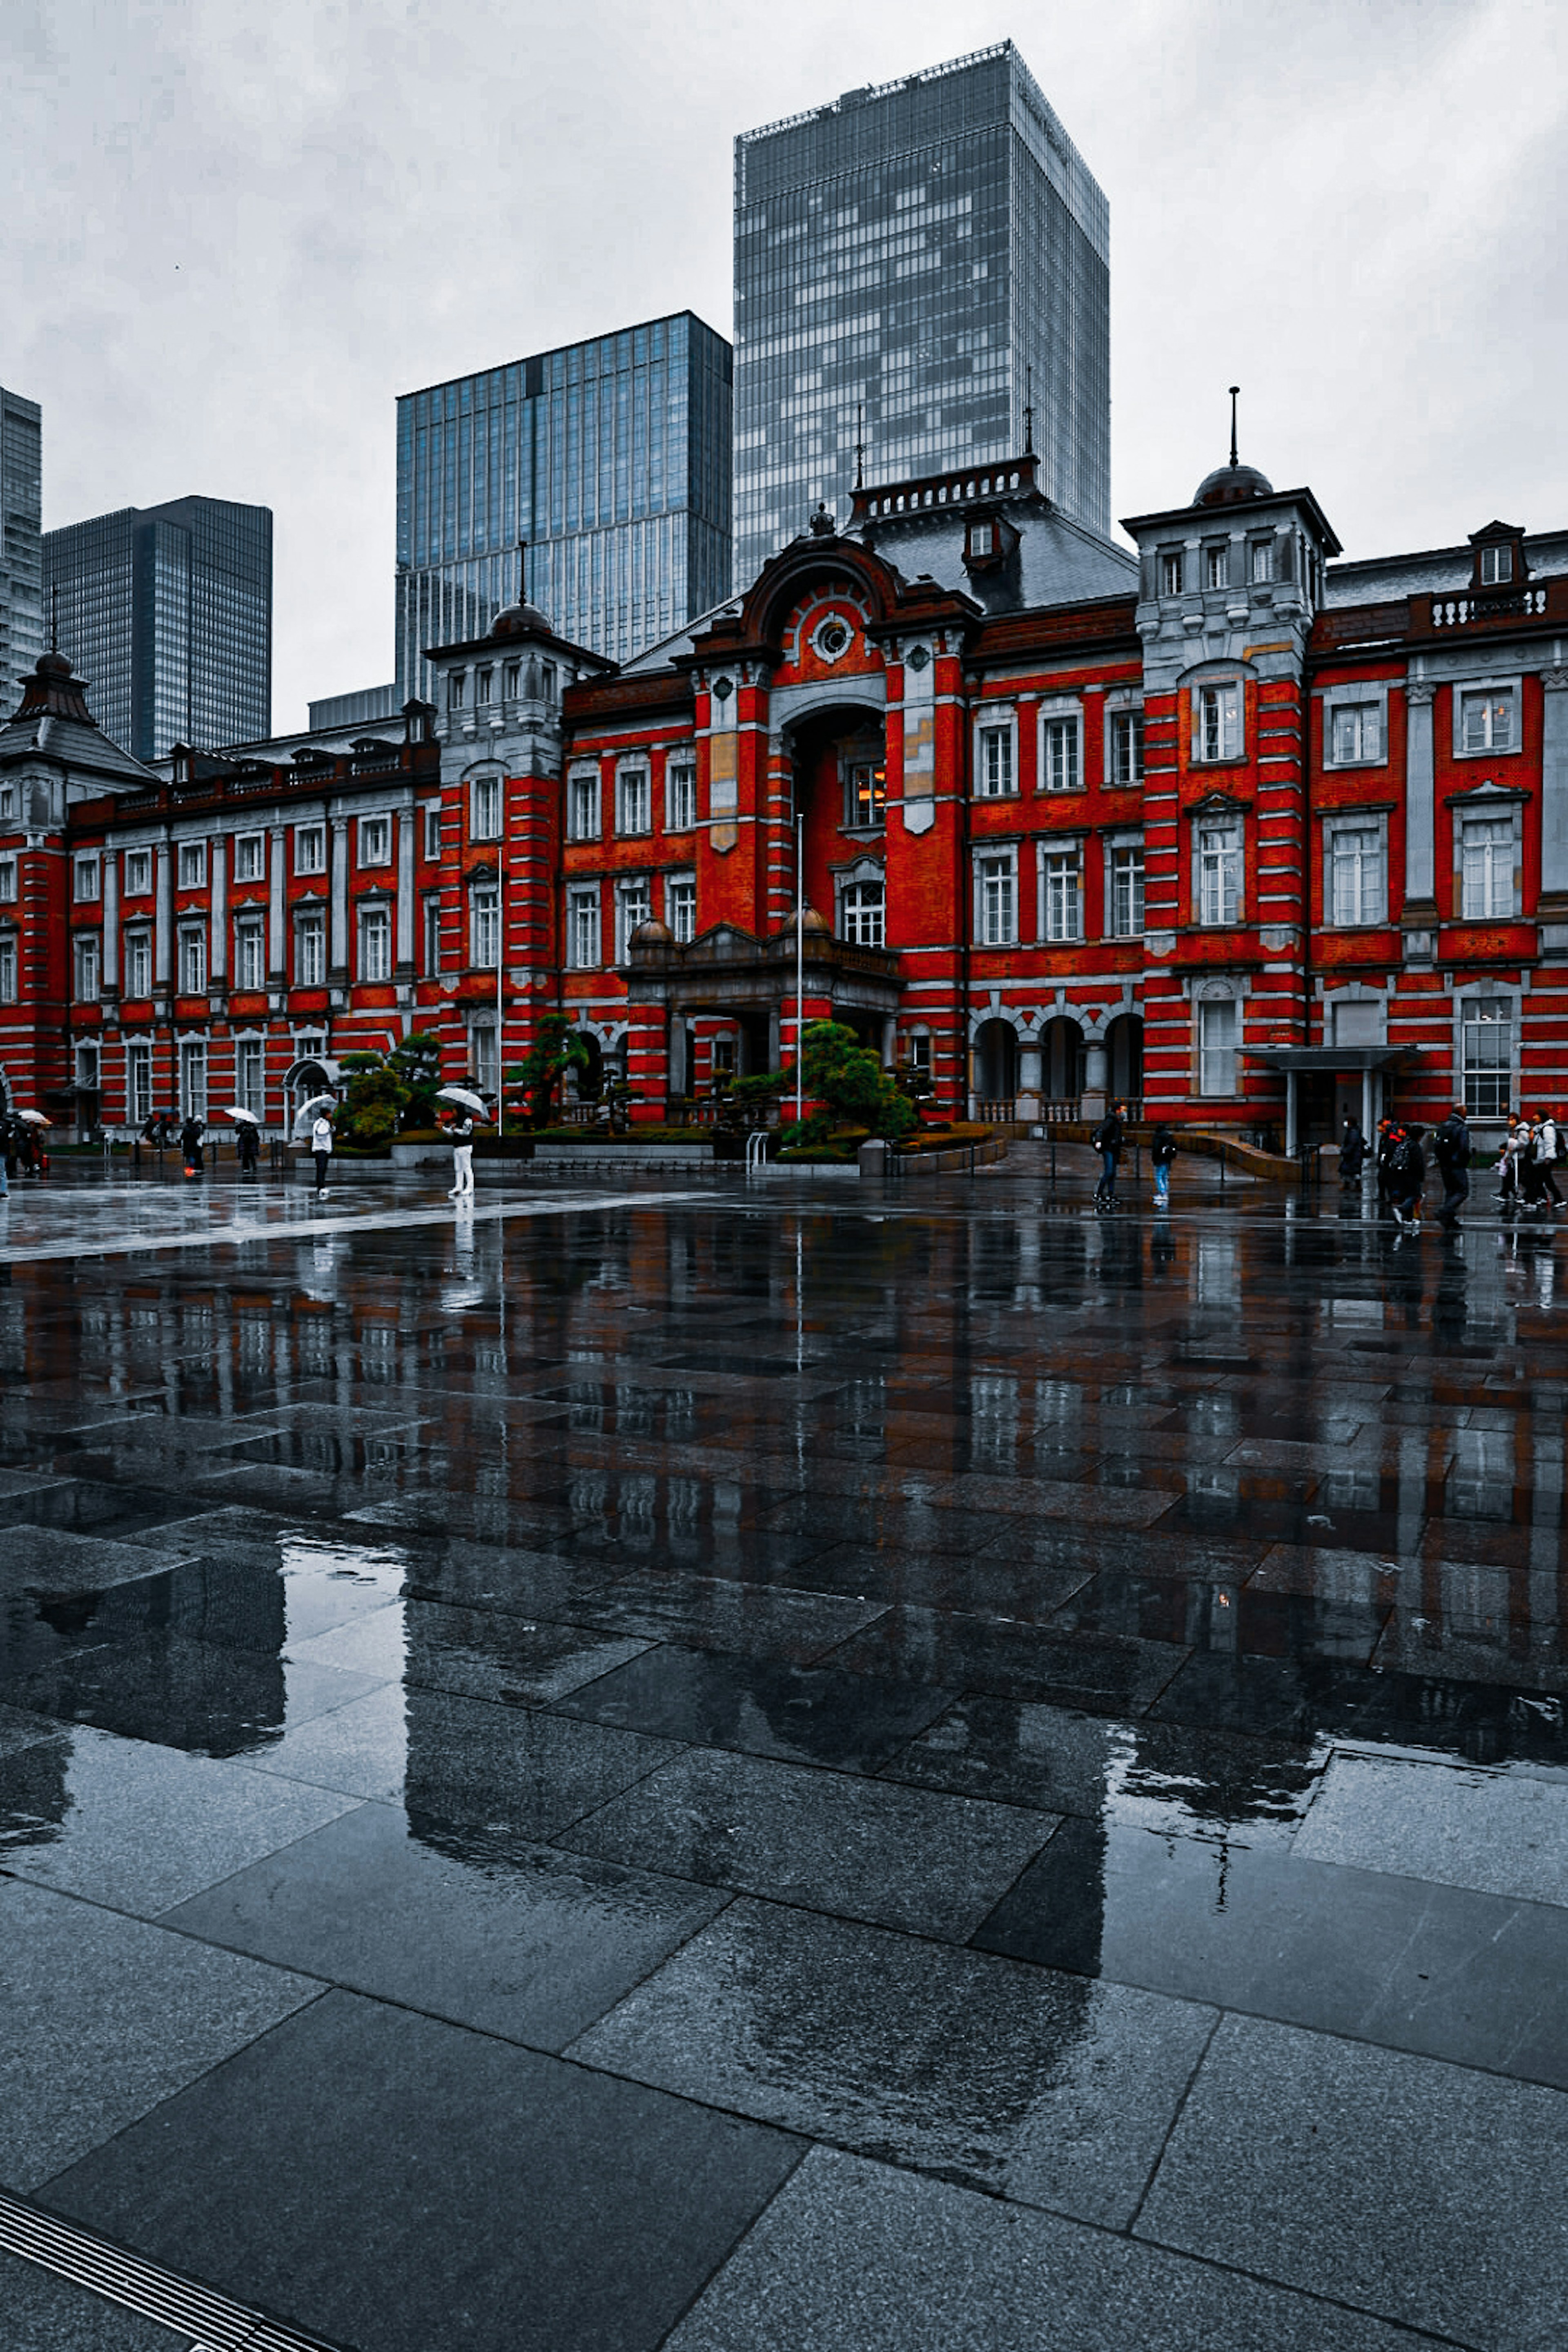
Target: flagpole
{"x": 799, "y": 969}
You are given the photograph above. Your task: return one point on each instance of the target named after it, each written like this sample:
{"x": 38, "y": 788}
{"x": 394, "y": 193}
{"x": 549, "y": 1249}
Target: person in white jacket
{"x": 462, "y": 1157}
{"x": 322, "y": 1148}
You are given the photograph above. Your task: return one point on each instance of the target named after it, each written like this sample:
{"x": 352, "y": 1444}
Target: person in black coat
{"x": 1451, "y": 1150}
{"x": 1352, "y": 1153}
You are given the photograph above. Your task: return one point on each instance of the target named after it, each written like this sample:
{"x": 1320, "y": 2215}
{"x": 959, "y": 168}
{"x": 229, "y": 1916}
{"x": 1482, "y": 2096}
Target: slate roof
{"x": 53, "y": 723}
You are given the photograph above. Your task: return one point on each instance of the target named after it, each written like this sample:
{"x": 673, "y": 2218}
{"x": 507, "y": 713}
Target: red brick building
{"x": 1230, "y": 828}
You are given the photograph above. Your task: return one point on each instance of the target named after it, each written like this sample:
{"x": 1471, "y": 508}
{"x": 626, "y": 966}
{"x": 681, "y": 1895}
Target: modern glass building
{"x": 21, "y": 551}
{"x": 909, "y": 262}
{"x": 167, "y": 613}
{"x": 368, "y": 704}
{"x": 610, "y": 458}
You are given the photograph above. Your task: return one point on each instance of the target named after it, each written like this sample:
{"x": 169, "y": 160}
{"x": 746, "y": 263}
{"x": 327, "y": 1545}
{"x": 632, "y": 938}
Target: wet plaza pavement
{"x": 717, "y": 1768}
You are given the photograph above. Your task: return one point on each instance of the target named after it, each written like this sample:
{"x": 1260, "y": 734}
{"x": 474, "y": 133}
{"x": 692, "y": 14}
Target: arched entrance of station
{"x": 1062, "y": 1066}
{"x": 838, "y": 784}
{"x": 996, "y": 1068}
{"x": 1124, "y": 1057}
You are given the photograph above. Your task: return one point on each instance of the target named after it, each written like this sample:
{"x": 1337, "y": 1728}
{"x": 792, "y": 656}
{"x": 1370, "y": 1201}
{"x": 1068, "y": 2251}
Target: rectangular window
{"x": 1355, "y": 874}
{"x": 998, "y": 924}
{"x": 1127, "y": 747}
{"x": 1061, "y": 761}
{"x": 88, "y": 1070}
{"x": 432, "y": 936}
{"x": 680, "y": 909}
{"x": 1216, "y": 566}
{"x": 310, "y": 849}
{"x": 484, "y": 929}
{"x": 1263, "y": 559}
{"x": 85, "y": 882}
{"x": 483, "y": 680}
{"x": 1497, "y": 566}
{"x": 634, "y": 906}
{"x": 374, "y": 943}
{"x": 484, "y": 1061}
{"x": 86, "y": 962}
{"x": 1172, "y": 573}
{"x": 1485, "y": 722}
{"x": 139, "y": 1084}
{"x": 583, "y": 808}
{"x": 193, "y": 959}
{"x": 634, "y": 802}
{"x": 864, "y": 914}
{"x": 310, "y": 951}
{"x": 513, "y": 680}
{"x": 1217, "y": 1048}
{"x": 1219, "y": 872}
{"x": 250, "y": 857}
{"x": 1064, "y": 894}
{"x": 865, "y": 795}
{"x": 996, "y": 779}
{"x": 455, "y": 689}
{"x": 375, "y": 841}
{"x": 1486, "y": 869}
{"x": 7, "y": 968}
{"x": 138, "y": 963}
{"x": 1127, "y": 894}
{"x": 138, "y": 873}
{"x": 1486, "y": 1041}
{"x": 484, "y": 809}
{"x": 1355, "y": 734}
{"x": 194, "y": 1079}
{"x": 193, "y": 866}
{"x": 433, "y": 836}
{"x": 679, "y": 798}
{"x": 583, "y": 929}
{"x": 250, "y": 1077}
{"x": 250, "y": 954}
{"x": 1218, "y": 732}
{"x": 8, "y": 880}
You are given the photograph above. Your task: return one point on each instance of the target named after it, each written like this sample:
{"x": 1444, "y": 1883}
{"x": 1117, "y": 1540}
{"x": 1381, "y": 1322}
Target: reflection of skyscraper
{"x": 166, "y": 611}
{"x": 907, "y": 260}
{"x": 21, "y": 555}
{"x": 610, "y": 458}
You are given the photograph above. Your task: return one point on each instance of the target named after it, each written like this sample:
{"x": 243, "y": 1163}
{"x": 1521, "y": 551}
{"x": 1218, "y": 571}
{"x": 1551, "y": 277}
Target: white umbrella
{"x": 461, "y": 1095}
{"x": 34, "y": 1118}
{"x": 312, "y": 1109}
{"x": 245, "y": 1117}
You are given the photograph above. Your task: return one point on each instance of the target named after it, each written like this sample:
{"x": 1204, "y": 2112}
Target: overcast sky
{"x": 232, "y": 234}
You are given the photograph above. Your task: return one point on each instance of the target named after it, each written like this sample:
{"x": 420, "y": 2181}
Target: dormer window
{"x": 1497, "y": 566}
{"x": 982, "y": 540}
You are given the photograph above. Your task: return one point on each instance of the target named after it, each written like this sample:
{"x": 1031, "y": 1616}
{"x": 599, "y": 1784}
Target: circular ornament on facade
{"x": 920, "y": 658}
{"x": 832, "y": 638}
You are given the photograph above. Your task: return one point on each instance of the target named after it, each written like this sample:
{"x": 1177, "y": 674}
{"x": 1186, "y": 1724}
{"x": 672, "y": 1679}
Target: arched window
{"x": 863, "y": 915}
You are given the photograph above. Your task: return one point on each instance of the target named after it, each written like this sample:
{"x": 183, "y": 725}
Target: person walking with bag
{"x": 1162, "y": 1156}
{"x": 193, "y": 1135}
{"x": 1107, "y": 1140}
{"x": 1451, "y": 1150}
{"x": 1548, "y": 1152}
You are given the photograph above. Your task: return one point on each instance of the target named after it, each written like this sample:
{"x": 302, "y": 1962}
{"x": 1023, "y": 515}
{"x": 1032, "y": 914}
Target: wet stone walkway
{"x": 748, "y": 1770}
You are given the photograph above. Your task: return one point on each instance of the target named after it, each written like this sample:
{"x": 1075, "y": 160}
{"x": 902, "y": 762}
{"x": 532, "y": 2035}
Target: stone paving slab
{"x": 1397, "y": 2184}
{"x": 853, "y": 2256}
{"x": 904, "y": 1857}
{"x": 396, "y": 2183}
{"x": 104, "y": 2017}
{"x": 1499, "y": 1833}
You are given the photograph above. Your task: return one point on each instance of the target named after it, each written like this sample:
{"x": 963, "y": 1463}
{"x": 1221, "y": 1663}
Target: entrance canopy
{"x": 1296, "y": 1062}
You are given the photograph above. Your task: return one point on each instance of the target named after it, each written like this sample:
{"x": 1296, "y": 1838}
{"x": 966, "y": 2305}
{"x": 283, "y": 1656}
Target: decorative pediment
{"x": 1487, "y": 794}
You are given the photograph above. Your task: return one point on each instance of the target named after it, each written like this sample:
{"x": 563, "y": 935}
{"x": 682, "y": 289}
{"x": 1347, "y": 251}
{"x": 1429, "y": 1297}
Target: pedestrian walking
{"x": 1352, "y": 1153}
{"x": 462, "y": 1134}
{"x": 1548, "y": 1152}
{"x": 193, "y": 1136}
{"x": 322, "y": 1148}
{"x": 1161, "y": 1155}
{"x": 1531, "y": 1172}
{"x": 7, "y": 1147}
{"x": 1386, "y": 1131}
{"x": 1507, "y": 1159}
{"x": 247, "y": 1147}
{"x": 1451, "y": 1150}
{"x": 1108, "y": 1138}
{"x": 1407, "y": 1178}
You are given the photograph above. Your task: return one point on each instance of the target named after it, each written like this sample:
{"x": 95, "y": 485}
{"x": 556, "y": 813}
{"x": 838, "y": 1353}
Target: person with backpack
{"x": 1162, "y": 1157}
{"x": 1548, "y": 1152}
{"x": 1107, "y": 1139}
{"x": 1451, "y": 1150}
{"x": 1406, "y": 1177}
{"x": 1352, "y": 1153}
{"x": 193, "y": 1135}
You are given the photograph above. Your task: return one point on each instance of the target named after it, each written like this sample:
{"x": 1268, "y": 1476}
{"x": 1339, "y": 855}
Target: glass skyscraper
{"x": 167, "y": 613}
{"x": 910, "y": 260}
{"x": 610, "y": 458}
{"x": 21, "y": 552}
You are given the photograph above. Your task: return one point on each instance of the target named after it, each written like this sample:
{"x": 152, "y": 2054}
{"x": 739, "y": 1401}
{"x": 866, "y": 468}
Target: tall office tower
{"x": 21, "y": 552}
{"x": 166, "y": 611}
{"x": 909, "y": 261}
{"x": 611, "y": 458}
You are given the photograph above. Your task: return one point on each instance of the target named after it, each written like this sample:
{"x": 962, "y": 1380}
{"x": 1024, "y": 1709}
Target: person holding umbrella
{"x": 321, "y": 1146}
{"x": 247, "y": 1138}
{"x": 35, "y": 1159}
{"x": 461, "y": 1130}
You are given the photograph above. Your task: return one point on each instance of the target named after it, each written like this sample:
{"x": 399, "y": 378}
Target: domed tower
{"x": 1228, "y": 587}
